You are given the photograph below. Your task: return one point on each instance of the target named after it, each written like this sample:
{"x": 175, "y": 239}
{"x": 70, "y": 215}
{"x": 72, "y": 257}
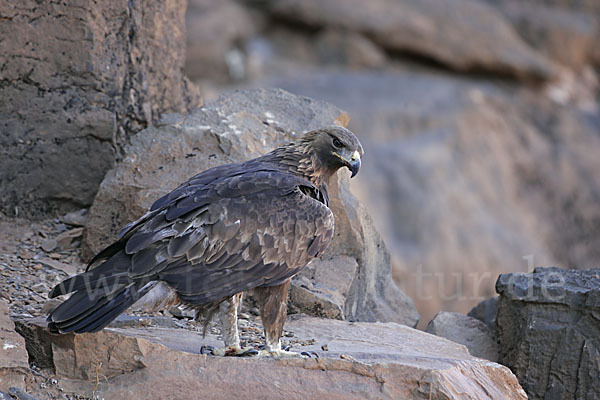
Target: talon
{"x": 286, "y": 348}
{"x": 310, "y": 354}
{"x": 207, "y": 350}
{"x": 232, "y": 351}
{"x": 249, "y": 353}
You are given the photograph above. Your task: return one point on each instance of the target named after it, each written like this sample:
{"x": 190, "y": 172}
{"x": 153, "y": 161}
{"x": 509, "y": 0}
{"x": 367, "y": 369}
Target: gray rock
{"x": 466, "y": 330}
{"x": 549, "y": 331}
{"x": 75, "y": 218}
{"x": 37, "y": 340}
{"x": 131, "y": 321}
{"x": 79, "y": 79}
{"x": 486, "y": 312}
{"x": 321, "y": 289}
{"x": 460, "y": 34}
{"x": 239, "y": 126}
{"x": 364, "y": 360}
{"x": 49, "y": 244}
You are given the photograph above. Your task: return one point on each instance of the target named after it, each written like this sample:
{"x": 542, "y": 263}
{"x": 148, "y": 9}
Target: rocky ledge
{"x": 357, "y": 360}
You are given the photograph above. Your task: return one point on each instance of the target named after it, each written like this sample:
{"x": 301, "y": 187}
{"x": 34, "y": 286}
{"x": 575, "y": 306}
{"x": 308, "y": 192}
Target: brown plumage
{"x": 229, "y": 229}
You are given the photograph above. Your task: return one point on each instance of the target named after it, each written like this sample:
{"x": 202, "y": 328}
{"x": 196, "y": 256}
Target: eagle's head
{"x": 332, "y": 148}
{"x": 335, "y": 147}
{"x": 318, "y": 154}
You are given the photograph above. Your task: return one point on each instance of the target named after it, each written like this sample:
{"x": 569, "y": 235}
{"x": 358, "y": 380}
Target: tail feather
{"x": 114, "y": 308}
{"x": 110, "y": 272}
{"x": 90, "y": 282}
{"x": 99, "y": 295}
{"x": 83, "y": 313}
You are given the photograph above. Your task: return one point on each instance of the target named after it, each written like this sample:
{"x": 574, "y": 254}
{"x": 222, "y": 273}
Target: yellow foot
{"x": 229, "y": 351}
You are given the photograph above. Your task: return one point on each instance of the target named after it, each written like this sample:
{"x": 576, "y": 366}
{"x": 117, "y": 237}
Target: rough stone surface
{"x": 466, "y": 330}
{"x": 237, "y": 127}
{"x": 13, "y": 355}
{"x": 461, "y": 34}
{"x": 389, "y": 361}
{"x": 321, "y": 288}
{"x": 77, "y": 78}
{"x": 549, "y": 331}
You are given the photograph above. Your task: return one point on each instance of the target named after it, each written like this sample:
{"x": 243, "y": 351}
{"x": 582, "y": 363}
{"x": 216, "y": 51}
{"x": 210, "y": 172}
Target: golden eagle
{"x": 232, "y": 228}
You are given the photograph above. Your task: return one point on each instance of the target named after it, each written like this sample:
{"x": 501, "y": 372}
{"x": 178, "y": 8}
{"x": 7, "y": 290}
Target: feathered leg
{"x": 227, "y": 314}
{"x": 273, "y": 311}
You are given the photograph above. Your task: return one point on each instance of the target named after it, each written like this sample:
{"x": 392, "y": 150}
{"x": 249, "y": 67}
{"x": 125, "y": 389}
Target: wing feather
{"x": 212, "y": 238}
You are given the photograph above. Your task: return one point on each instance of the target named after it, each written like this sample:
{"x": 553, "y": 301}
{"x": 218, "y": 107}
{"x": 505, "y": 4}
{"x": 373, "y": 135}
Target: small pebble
{"x": 48, "y": 245}
{"x": 325, "y": 347}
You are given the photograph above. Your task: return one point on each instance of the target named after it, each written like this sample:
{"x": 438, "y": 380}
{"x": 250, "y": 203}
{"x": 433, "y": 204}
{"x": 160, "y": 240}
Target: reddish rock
{"x": 364, "y": 360}
{"x": 13, "y": 355}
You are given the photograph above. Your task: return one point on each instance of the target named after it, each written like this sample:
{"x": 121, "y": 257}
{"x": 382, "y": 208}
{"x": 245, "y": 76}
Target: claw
{"x": 207, "y": 350}
{"x": 310, "y": 354}
{"x": 286, "y": 348}
{"x": 229, "y": 351}
{"x": 249, "y": 353}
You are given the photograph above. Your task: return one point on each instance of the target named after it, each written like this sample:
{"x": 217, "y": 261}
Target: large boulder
{"x": 239, "y": 126}
{"x": 363, "y": 360}
{"x": 14, "y": 363}
{"x": 549, "y": 330}
{"x": 463, "y": 35}
{"x": 77, "y": 79}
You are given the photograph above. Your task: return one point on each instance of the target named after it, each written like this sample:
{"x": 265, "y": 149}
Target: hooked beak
{"x": 352, "y": 161}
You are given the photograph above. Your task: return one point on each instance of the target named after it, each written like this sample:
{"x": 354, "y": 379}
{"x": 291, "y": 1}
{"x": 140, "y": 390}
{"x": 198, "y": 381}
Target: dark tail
{"x": 99, "y": 296}
{"x": 90, "y": 312}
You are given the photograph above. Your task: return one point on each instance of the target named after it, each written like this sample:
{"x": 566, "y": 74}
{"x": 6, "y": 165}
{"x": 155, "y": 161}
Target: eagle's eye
{"x": 337, "y": 143}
